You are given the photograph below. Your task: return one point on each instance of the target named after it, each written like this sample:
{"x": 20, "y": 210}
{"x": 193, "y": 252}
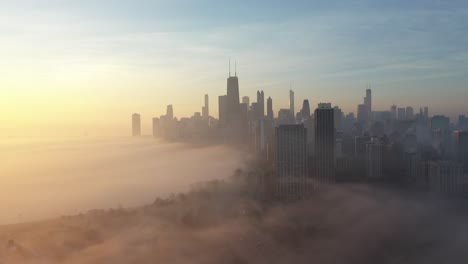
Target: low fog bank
{"x": 47, "y": 178}
{"x": 220, "y": 222}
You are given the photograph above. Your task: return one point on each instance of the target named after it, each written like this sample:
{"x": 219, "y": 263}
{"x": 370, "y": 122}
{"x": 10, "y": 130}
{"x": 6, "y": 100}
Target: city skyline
{"x": 93, "y": 63}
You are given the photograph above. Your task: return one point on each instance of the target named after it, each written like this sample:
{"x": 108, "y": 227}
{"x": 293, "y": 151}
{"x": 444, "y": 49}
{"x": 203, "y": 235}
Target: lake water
{"x": 47, "y": 178}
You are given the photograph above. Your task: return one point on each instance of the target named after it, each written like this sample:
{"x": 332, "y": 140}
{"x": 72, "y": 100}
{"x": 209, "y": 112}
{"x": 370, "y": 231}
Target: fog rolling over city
{"x": 46, "y": 178}
{"x": 219, "y": 223}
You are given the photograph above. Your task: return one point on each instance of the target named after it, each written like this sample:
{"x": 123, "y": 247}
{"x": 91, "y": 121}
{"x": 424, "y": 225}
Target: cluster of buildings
{"x": 310, "y": 148}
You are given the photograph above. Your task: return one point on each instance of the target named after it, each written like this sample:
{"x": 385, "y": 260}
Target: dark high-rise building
{"x": 338, "y": 118}
{"x": 270, "y": 114}
{"x": 440, "y": 122}
{"x": 170, "y": 112}
{"x": 325, "y": 143}
{"x": 260, "y": 104}
{"x": 409, "y": 113}
{"x": 291, "y": 161}
{"x": 232, "y": 98}
{"x": 206, "y": 109}
{"x": 426, "y": 112}
{"x": 401, "y": 113}
{"x": 291, "y": 102}
{"x": 222, "y": 111}
{"x": 136, "y": 125}
{"x": 362, "y": 114}
{"x": 368, "y": 102}
{"x": 305, "y": 109}
{"x": 462, "y": 122}
{"x": 393, "y": 111}
{"x": 461, "y": 146}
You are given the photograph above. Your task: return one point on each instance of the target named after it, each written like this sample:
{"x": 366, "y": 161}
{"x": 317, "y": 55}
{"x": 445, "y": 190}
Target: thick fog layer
{"x": 47, "y": 178}
{"x": 221, "y": 224}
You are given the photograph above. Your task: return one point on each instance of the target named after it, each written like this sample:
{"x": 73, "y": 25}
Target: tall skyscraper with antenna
{"x": 232, "y": 95}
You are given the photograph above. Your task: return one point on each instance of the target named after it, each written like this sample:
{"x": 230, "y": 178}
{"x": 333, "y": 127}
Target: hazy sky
{"x": 69, "y": 66}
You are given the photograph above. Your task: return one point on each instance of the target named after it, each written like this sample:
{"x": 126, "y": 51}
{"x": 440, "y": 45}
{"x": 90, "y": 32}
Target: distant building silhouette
{"x": 285, "y": 117}
{"x": 401, "y": 113}
{"x": 232, "y": 98}
{"x": 156, "y": 127}
{"x": 136, "y": 125}
{"x": 368, "y": 102}
{"x": 260, "y": 104}
{"x": 338, "y": 118}
{"x": 426, "y": 112}
{"x": 409, "y": 113}
{"x": 362, "y": 114}
{"x": 223, "y": 109}
{"x": 325, "y": 143}
{"x": 246, "y": 100}
{"x": 393, "y": 112}
{"x": 270, "y": 114}
{"x": 440, "y": 122}
{"x": 305, "y": 111}
{"x": 462, "y": 122}
{"x": 170, "y": 112}
{"x": 291, "y": 102}
{"x": 206, "y": 109}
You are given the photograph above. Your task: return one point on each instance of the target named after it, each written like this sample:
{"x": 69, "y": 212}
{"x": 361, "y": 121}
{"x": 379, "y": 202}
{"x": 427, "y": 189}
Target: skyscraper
{"x": 393, "y": 111}
{"x": 462, "y": 122}
{"x": 409, "y": 113}
{"x": 305, "y": 109}
{"x": 169, "y": 112}
{"x": 325, "y": 143}
{"x": 440, "y": 122}
{"x": 291, "y": 102}
{"x": 362, "y": 114}
{"x": 136, "y": 125}
{"x": 285, "y": 117}
{"x": 206, "y": 109}
{"x": 291, "y": 161}
{"x": 270, "y": 114}
{"x": 222, "y": 111}
{"x": 368, "y": 102}
{"x": 426, "y": 112}
{"x": 156, "y": 127}
{"x": 260, "y": 104}
{"x": 246, "y": 100}
{"x": 338, "y": 118}
{"x": 232, "y": 97}
{"x": 401, "y": 113}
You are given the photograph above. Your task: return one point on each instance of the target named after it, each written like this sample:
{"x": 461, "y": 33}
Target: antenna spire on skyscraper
{"x": 235, "y": 68}
{"x": 229, "y": 66}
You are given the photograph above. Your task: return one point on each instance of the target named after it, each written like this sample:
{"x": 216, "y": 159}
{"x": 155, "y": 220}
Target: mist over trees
{"x": 226, "y": 222}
